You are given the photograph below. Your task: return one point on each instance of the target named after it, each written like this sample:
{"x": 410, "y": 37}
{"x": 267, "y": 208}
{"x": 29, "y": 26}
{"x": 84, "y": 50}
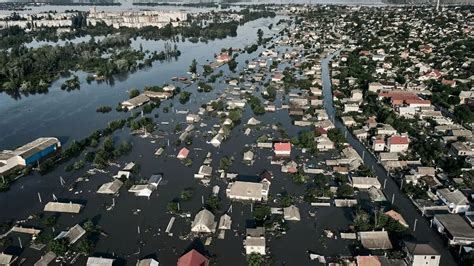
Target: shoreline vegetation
{"x": 25, "y": 71}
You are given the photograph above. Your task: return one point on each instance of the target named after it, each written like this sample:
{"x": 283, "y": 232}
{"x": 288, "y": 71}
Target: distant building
{"x": 461, "y": 149}
{"x": 135, "y": 102}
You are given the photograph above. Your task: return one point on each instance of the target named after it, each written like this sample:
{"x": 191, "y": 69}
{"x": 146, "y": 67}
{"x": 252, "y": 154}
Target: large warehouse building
{"x": 27, "y": 154}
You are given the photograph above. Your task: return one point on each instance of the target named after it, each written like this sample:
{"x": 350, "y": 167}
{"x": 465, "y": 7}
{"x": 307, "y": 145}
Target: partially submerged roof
{"x": 291, "y": 213}
{"x": 421, "y": 249}
{"x": 62, "y": 207}
{"x": 6, "y": 259}
{"x": 110, "y": 187}
{"x": 193, "y": 258}
{"x": 73, "y": 234}
{"x": 96, "y": 261}
{"x": 225, "y": 222}
{"x": 375, "y": 240}
{"x": 148, "y": 262}
{"x": 46, "y": 259}
{"x": 368, "y": 261}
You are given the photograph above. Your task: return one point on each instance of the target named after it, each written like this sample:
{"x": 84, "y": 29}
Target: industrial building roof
{"x": 35, "y": 146}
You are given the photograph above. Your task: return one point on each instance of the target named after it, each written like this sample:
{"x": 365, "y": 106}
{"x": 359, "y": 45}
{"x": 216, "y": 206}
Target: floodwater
{"x": 127, "y": 5}
{"x": 72, "y": 115}
{"x": 51, "y": 114}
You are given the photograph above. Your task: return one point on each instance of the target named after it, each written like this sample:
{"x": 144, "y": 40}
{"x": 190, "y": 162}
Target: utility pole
{"x": 384, "y": 184}
{"x": 393, "y": 198}
{"x": 39, "y": 197}
{"x": 414, "y": 226}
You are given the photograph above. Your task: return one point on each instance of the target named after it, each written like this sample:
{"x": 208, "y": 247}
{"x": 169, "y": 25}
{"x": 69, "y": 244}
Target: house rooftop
{"x": 421, "y": 249}
{"x": 456, "y": 225}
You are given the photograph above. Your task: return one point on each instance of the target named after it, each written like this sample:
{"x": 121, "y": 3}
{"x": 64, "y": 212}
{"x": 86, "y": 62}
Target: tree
{"x": 463, "y": 114}
{"x": 345, "y": 191}
{"x": 89, "y": 226}
{"x": 213, "y": 203}
{"x": 362, "y": 220}
{"x": 235, "y": 115}
{"x": 133, "y": 93}
{"x": 255, "y": 259}
{"x": 232, "y": 65}
{"x": 85, "y": 247}
{"x": 186, "y": 194}
{"x": 336, "y": 136}
{"x": 207, "y": 70}
{"x": 58, "y": 246}
{"x": 193, "y": 67}
{"x": 261, "y": 212}
{"x": 260, "y": 35}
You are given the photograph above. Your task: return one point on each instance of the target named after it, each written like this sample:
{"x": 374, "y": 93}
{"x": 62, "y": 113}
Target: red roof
{"x": 398, "y": 140}
{"x": 379, "y": 141}
{"x": 282, "y": 146}
{"x": 193, "y": 258}
{"x": 183, "y": 153}
{"x": 417, "y": 101}
{"x": 321, "y": 130}
{"x": 223, "y": 57}
{"x": 368, "y": 261}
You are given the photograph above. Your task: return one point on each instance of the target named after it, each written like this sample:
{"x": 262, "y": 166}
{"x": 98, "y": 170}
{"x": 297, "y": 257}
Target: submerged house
{"x": 110, "y": 187}
{"x": 135, "y": 102}
{"x": 70, "y": 207}
{"x": 193, "y": 258}
{"x": 248, "y": 191}
{"x": 183, "y": 154}
{"x": 204, "y": 222}
{"x": 255, "y": 241}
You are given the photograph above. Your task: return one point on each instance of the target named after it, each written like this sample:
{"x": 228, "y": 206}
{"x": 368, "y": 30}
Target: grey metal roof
{"x": 456, "y": 225}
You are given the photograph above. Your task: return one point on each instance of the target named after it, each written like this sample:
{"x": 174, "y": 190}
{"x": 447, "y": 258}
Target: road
{"x": 423, "y": 231}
